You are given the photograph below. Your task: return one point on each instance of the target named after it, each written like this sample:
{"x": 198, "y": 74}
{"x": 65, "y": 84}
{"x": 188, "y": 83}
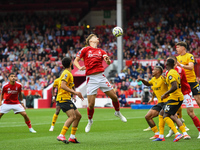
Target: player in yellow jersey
{"x": 55, "y": 116}
{"x": 186, "y": 61}
{"x": 159, "y": 88}
{"x": 65, "y": 90}
{"x": 175, "y": 99}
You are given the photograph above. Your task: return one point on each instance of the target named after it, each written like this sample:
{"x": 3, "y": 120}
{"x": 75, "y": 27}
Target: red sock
{"x": 116, "y": 105}
{"x": 90, "y": 113}
{"x": 196, "y": 122}
{"x": 28, "y": 124}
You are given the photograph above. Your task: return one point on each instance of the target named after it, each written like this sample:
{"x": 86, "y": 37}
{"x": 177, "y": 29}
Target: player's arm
{"x": 107, "y": 59}
{"x": 190, "y": 66}
{"x": 171, "y": 90}
{"x": 152, "y": 98}
{"x": 144, "y": 81}
{"x": 74, "y": 96}
{"x": 53, "y": 94}
{"x": 64, "y": 87}
{"x": 1, "y": 98}
{"x": 76, "y": 63}
{"x": 21, "y": 99}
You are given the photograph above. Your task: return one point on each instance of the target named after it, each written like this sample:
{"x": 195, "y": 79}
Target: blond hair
{"x": 88, "y": 38}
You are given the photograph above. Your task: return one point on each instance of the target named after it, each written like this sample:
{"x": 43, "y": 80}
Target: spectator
{"x": 145, "y": 95}
{"x": 122, "y": 100}
{"x": 160, "y": 64}
{"x": 123, "y": 86}
{"x": 29, "y": 100}
{"x": 122, "y": 74}
{"x": 117, "y": 79}
{"x": 134, "y": 83}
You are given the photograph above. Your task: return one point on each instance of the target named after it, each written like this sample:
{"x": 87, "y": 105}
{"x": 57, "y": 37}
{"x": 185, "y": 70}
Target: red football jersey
{"x": 185, "y": 87}
{"x": 93, "y": 58}
{"x": 11, "y": 92}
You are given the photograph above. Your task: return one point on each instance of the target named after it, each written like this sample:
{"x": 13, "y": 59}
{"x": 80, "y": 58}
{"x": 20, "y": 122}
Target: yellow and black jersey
{"x": 172, "y": 76}
{"x": 185, "y": 60}
{"x": 56, "y": 82}
{"x": 63, "y": 95}
{"x": 159, "y": 87}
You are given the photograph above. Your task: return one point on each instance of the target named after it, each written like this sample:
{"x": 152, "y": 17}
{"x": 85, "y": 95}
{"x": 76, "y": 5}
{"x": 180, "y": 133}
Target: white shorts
{"x": 5, "y": 108}
{"x": 96, "y": 81}
{"x": 188, "y": 102}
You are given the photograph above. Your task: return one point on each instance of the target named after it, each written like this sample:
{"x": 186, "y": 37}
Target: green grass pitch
{"x": 107, "y": 132}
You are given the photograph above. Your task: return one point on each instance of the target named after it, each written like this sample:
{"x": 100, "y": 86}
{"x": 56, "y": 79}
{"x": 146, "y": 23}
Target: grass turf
{"x": 107, "y": 132}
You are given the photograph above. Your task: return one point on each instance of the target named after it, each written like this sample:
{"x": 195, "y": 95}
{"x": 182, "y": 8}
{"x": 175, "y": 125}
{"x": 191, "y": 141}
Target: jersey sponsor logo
{"x": 94, "y": 54}
{"x": 12, "y": 92}
{"x": 170, "y": 77}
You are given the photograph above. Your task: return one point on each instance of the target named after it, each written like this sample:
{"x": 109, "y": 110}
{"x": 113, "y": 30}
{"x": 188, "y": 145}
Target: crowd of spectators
{"x": 32, "y": 45}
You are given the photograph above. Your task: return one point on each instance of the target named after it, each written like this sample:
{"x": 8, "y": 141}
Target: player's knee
{"x": 191, "y": 113}
{"x": 147, "y": 117}
{"x": 91, "y": 105}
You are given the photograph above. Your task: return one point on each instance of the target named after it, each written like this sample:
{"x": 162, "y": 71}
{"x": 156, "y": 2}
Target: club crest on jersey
{"x": 170, "y": 77}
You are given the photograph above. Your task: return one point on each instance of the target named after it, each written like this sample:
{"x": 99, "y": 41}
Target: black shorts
{"x": 67, "y": 106}
{"x": 172, "y": 106}
{"x": 57, "y": 103}
{"x": 195, "y": 88}
{"x": 159, "y": 106}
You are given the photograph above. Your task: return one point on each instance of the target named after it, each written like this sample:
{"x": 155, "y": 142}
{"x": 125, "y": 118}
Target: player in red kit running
{"x": 185, "y": 88}
{"x": 10, "y": 92}
{"x": 95, "y": 78}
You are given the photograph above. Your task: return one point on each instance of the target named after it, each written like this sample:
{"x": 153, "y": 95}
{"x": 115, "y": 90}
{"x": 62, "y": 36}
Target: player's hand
{"x": 79, "y": 95}
{"x": 178, "y": 63}
{"x": 164, "y": 96}
{"x": 23, "y": 105}
{"x": 107, "y": 60}
{"x": 151, "y": 100}
{"x": 53, "y": 100}
{"x": 82, "y": 68}
{"x": 74, "y": 98}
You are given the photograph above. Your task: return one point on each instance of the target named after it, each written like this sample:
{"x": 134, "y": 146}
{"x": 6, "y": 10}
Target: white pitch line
{"x": 13, "y": 124}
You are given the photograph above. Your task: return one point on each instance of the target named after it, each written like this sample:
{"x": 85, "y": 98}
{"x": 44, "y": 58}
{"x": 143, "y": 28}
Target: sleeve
{"x": 191, "y": 58}
{"x": 55, "y": 83}
{"x": 66, "y": 77}
{"x": 20, "y": 88}
{"x": 104, "y": 53}
{"x": 151, "y": 81}
{"x": 81, "y": 53}
{"x": 171, "y": 77}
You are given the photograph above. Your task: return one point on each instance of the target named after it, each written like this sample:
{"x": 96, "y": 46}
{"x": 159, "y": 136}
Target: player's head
{"x": 67, "y": 62}
{"x": 158, "y": 70}
{"x": 174, "y": 58}
{"x": 92, "y": 38}
{"x": 181, "y": 47}
{"x": 170, "y": 64}
{"x": 12, "y": 77}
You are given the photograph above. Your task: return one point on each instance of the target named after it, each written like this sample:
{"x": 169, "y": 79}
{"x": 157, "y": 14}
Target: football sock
{"x": 170, "y": 123}
{"x": 179, "y": 112}
{"x": 184, "y": 125}
{"x": 116, "y": 105}
{"x": 161, "y": 124}
{"x": 64, "y": 130}
{"x": 28, "y": 124}
{"x": 155, "y": 130}
{"x": 54, "y": 119}
{"x": 182, "y": 128}
{"x": 161, "y": 136}
{"x": 73, "y": 130}
{"x": 90, "y": 113}
{"x": 196, "y": 122}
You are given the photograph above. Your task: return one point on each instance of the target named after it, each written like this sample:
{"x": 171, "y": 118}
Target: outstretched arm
{"x": 143, "y": 81}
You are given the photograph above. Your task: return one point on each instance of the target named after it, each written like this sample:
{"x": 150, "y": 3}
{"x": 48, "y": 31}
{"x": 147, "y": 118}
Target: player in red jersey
{"x": 10, "y": 92}
{"x": 95, "y": 78}
{"x": 185, "y": 88}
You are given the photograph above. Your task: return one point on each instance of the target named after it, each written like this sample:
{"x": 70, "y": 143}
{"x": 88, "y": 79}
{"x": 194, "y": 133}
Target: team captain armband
{"x": 105, "y": 56}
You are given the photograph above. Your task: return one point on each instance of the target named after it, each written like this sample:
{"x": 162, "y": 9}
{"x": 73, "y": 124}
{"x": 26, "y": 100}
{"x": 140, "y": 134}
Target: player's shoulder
{"x": 5, "y": 84}
{"x": 18, "y": 83}
{"x": 66, "y": 73}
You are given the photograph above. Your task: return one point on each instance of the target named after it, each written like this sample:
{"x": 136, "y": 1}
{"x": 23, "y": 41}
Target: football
{"x": 117, "y": 31}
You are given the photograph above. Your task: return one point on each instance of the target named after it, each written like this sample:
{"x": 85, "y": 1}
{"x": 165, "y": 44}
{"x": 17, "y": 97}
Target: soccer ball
{"x": 117, "y": 31}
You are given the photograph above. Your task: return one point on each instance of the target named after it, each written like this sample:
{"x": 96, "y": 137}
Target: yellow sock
{"x": 170, "y": 123}
{"x": 64, "y": 130}
{"x": 73, "y": 131}
{"x": 179, "y": 112}
{"x": 154, "y": 129}
{"x": 161, "y": 124}
{"x": 182, "y": 128}
{"x": 184, "y": 125}
{"x": 54, "y": 119}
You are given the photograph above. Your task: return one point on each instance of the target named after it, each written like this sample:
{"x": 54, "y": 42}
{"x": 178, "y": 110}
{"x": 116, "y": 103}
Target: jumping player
{"x": 95, "y": 78}
{"x": 10, "y": 92}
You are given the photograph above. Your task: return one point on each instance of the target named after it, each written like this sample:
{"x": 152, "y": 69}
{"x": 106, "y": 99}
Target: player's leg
{"x": 27, "y": 121}
{"x": 195, "y": 119}
{"x": 180, "y": 117}
{"x": 5, "y": 108}
{"x": 1, "y": 114}
{"x": 149, "y": 118}
{"x": 197, "y": 99}
{"x": 71, "y": 117}
{"x": 115, "y": 103}
{"x": 180, "y": 126}
{"x": 90, "y": 111}
{"x": 195, "y": 91}
{"x": 74, "y": 127}
{"x": 55, "y": 116}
